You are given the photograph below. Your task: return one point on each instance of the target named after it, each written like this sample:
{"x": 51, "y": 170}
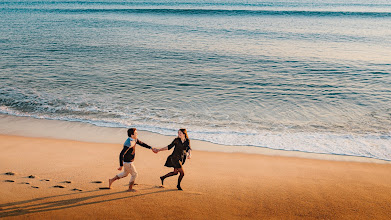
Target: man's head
{"x": 132, "y": 132}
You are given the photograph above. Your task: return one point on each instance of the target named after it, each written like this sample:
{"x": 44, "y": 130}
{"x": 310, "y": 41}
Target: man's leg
{"x": 134, "y": 174}
{"x": 123, "y": 174}
{"x": 111, "y": 181}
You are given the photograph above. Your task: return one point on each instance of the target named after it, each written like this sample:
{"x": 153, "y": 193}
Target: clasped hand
{"x": 155, "y": 150}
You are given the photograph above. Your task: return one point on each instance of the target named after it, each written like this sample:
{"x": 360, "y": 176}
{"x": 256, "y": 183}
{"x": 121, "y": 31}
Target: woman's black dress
{"x": 178, "y": 156}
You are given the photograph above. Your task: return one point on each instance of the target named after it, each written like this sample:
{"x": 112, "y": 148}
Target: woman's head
{"x": 183, "y": 133}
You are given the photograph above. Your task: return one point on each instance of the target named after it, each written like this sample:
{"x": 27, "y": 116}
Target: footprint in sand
{"x": 46, "y": 180}
{"x": 9, "y": 181}
{"x": 97, "y": 181}
{"x": 10, "y": 173}
{"x": 35, "y": 187}
{"x": 104, "y": 188}
{"x": 58, "y": 186}
{"x": 67, "y": 181}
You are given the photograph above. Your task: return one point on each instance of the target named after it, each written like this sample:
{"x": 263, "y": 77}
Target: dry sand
{"x": 216, "y": 185}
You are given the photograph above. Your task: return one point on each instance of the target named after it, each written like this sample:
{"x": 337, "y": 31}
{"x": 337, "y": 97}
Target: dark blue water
{"x": 293, "y": 75}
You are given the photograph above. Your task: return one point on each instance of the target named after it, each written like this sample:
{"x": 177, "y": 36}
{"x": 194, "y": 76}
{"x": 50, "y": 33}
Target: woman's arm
{"x": 188, "y": 150}
{"x": 168, "y": 147}
{"x": 162, "y": 149}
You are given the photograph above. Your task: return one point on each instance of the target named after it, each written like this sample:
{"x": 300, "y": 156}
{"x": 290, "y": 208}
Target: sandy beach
{"x": 217, "y": 185}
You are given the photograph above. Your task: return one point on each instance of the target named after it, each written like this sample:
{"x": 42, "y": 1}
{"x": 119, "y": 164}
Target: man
{"x": 126, "y": 158}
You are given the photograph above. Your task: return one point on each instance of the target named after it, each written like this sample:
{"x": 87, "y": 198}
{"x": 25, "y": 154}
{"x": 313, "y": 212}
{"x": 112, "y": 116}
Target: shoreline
{"x": 26, "y": 126}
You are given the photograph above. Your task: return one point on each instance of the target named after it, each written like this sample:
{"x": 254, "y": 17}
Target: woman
{"x": 178, "y": 156}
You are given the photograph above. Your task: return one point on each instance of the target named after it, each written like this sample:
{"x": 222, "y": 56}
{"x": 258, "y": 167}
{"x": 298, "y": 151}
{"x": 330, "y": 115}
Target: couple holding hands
{"x": 176, "y": 160}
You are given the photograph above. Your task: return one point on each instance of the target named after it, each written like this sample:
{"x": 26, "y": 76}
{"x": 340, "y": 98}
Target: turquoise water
{"x": 293, "y": 75}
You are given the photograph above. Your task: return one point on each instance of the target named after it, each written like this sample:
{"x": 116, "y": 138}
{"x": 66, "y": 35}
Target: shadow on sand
{"x": 7, "y": 211}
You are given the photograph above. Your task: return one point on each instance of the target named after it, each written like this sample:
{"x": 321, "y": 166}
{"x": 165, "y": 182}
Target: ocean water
{"x": 303, "y": 75}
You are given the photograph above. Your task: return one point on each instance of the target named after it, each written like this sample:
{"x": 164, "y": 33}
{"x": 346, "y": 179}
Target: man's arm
{"x": 121, "y": 156}
{"x": 142, "y": 144}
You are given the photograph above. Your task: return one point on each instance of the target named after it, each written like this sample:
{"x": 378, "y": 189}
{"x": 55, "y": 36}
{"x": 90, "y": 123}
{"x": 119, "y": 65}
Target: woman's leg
{"x": 182, "y": 174}
{"x": 173, "y": 173}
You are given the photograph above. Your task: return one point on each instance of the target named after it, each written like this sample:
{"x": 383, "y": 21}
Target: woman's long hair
{"x": 184, "y": 131}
